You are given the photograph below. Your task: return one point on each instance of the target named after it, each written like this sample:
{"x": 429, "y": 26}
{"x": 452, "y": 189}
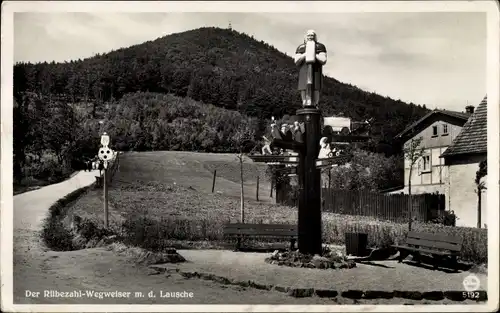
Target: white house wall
{"x": 436, "y": 178}
{"x": 461, "y": 196}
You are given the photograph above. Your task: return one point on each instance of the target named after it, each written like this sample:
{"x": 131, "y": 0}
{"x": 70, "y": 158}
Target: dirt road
{"x": 40, "y": 274}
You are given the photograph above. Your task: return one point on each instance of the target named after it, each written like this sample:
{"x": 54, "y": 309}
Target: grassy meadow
{"x": 159, "y": 199}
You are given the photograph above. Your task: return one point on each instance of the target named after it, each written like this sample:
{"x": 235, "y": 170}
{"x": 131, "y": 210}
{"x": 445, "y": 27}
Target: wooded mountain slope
{"x": 216, "y": 66}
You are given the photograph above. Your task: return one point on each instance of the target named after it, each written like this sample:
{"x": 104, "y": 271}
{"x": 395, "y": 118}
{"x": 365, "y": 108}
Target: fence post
{"x": 257, "y": 190}
{"x": 213, "y": 181}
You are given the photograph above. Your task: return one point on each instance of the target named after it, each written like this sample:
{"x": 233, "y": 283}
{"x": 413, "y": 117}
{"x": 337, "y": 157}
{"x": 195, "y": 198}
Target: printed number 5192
{"x": 470, "y": 295}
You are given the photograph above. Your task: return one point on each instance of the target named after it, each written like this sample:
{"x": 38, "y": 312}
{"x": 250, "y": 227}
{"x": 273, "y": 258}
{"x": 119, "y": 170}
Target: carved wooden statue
{"x": 310, "y": 57}
{"x": 325, "y": 148}
{"x": 266, "y": 147}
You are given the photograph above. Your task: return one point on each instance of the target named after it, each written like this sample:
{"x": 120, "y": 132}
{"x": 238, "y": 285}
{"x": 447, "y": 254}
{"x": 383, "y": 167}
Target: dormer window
{"x": 445, "y": 129}
{"x": 434, "y": 131}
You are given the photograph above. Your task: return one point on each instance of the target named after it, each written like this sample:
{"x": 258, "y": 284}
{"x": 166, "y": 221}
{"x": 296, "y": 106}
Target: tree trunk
{"x": 329, "y": 178}
{"x": 94, "y": 108}
{"x": 18, "y": 171}
{"x": 478, "y": 208}
{"x": 410, "y": 202}
{"x": 242, "y": 207}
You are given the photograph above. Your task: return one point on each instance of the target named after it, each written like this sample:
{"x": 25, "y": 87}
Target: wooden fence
{"x": 392, "y": 207}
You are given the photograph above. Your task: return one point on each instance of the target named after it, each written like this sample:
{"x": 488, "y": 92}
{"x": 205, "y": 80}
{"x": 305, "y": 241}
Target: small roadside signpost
{"x": 106, "y": 155}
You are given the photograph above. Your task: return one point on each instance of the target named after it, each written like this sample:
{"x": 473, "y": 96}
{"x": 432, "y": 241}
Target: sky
{"x": 432, "y": 58}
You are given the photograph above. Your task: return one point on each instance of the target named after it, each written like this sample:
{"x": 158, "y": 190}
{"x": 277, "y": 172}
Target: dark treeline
{"x": 215, "y": 66}
{"x": 49, "y": 136}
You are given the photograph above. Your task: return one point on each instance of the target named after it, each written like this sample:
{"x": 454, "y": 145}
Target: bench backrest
{"x": 261, "y": 229}
{"x": 434, "y": 241}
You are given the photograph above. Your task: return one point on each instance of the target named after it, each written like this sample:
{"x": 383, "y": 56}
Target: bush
{"x": 90, "y": 230}
{"x": 48, "y": 169}
{"x": 447, "y": 218}
{"x": 55, "y": 235}
{"x": 153, "y": 234}
{"x": 382, "y": 235}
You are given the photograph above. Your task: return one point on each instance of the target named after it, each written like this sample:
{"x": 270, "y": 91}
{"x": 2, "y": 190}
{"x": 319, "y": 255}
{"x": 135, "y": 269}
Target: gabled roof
{"x": 454, "y": 114}
{"x": 473, "y": 136}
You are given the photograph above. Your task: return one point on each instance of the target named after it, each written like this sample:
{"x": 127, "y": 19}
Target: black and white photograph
{"x": 231, "y": 156}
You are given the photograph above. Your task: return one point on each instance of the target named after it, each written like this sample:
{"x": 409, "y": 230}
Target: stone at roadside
{"x": 320, "y": 261}
{"x": 330, "y": 260}
{"x": 160, "y": 258}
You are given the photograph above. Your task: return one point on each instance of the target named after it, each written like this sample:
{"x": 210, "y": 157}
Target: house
{"x": 437, "y": 129}
{"x": 462, "y": 160}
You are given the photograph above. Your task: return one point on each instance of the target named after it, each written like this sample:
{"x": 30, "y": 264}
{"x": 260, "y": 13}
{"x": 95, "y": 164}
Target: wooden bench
{"x": 440, "y": 246}
{"x": 240, "y": 231}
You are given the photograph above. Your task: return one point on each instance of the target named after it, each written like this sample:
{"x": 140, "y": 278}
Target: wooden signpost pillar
{"x": 309, "y": 224}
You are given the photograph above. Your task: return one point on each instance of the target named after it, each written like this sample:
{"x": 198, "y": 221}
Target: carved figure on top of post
{"x": 267, "y": 146}
{"x": 310, "y": 57}
{"x": 298, "y": 131}
{"x": 286, "y": 132}
{"x": 327, "y": 150}
{"x": 275, "y": 132}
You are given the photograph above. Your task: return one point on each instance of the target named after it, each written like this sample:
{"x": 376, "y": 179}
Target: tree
{"x": 21, "y": 130}
{"x": 480, "y": 186}
{"x": 412, "y": 153}
{"x": 365, "y": 171}
{"x": 242, "y": 138}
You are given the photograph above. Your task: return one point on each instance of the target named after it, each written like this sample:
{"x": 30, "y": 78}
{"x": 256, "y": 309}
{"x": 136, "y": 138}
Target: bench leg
{"x": 238, "y": 243}
{"x": 436, "y": 260}
{"x": 417, "y": 257}
{"x": 401, "y": 255}
{"x": 454, "y": 263}
{"x": 292, "y": 244}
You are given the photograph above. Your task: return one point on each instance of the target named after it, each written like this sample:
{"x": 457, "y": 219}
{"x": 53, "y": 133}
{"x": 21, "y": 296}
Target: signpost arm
{"x": 287, "y": 145}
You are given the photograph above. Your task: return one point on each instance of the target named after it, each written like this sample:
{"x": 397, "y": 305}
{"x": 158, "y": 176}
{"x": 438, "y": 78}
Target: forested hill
{"x": 218, "y": 66}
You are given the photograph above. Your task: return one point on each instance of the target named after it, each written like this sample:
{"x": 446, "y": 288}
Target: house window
{"x": 426, "y": 163}
{"x": 445, "y": 129}
{"x": 434, "y": 131}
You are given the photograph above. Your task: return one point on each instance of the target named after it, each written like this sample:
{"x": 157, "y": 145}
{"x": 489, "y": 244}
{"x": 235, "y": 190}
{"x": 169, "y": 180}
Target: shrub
{"x": 48, "y": 169}
{"x": 153, "y": 234}
{"x": 55, "y": 235}
{"x": 90, "y": 230}
{"x": 383, "y": 234}
{"x": 447, "y": 218}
